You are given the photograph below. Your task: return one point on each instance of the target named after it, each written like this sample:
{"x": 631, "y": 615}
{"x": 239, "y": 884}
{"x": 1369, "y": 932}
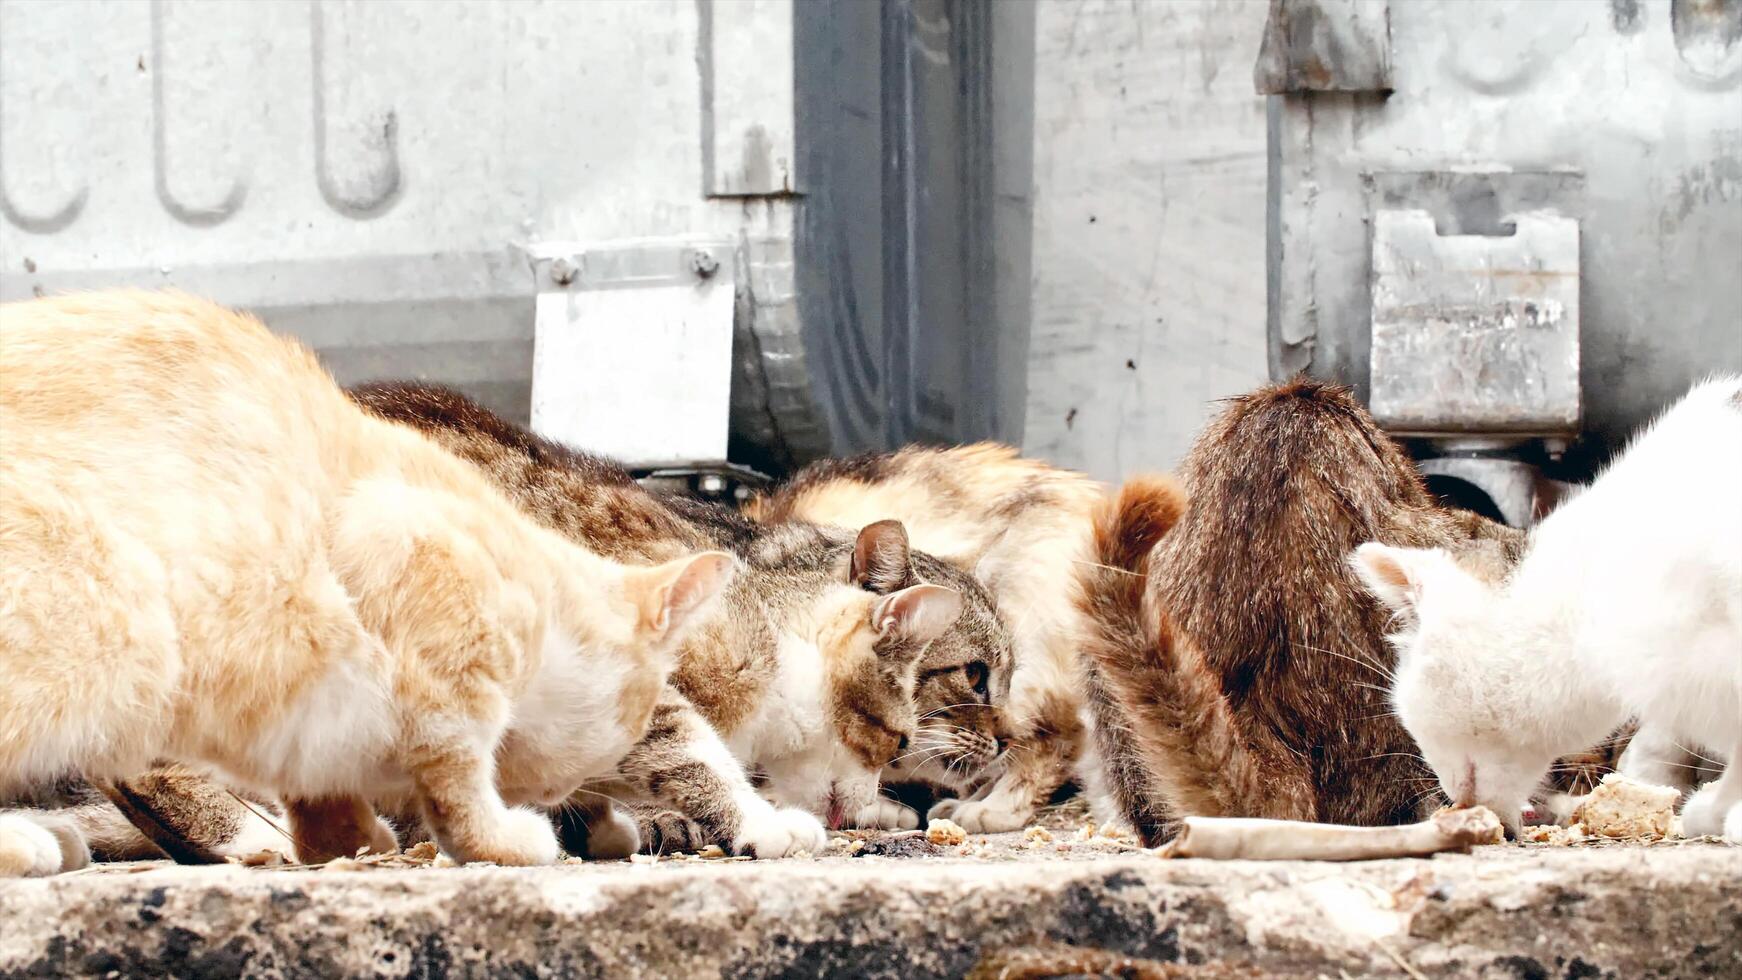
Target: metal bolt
{"x": 564, "y": 270}
{"x": 704, "y": 263}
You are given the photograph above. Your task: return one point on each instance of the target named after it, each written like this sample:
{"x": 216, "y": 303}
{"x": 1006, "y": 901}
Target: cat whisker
{"x": 1697, "y": 755}
{"x": 250, "y": 807}
{"x": 1402, "y": 755}
{"x": 948, "y": 707}
{"x": 1681, "y": 765}
{"x": 1376, "y": 668}
{"x": 1371, "y": 687}
{"x": 922, "y": 750}
{"x": 1109, "y": 568}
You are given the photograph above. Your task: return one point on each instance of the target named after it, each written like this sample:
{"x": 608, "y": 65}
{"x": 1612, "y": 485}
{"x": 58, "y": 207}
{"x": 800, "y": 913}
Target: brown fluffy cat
{"x": 1021, "y": 526}
{"x": 208, "y": 553}
{"x": 1242, "y": 669}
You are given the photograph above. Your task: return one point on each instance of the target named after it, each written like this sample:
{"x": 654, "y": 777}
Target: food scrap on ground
{"x": 1628, "y": 809}
{"x": 945, "y": 832}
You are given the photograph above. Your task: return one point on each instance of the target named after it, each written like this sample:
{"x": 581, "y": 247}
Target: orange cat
{"x": 209, "y": 554}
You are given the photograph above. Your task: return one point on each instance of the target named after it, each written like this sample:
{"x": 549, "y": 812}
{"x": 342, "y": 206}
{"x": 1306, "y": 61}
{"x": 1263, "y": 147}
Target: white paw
{"x": 612, "y": 837}
{"x": 1703, "y": 815}
{"x": 886, "y": 814}
{"x": 519, "y": 838}
{"x": 31, "y": 848}
{"x": 989, "y": 817}
{"x": 382, "y": 839}
{"x": 943, "y": 810}
{"x": 773, "y": 833}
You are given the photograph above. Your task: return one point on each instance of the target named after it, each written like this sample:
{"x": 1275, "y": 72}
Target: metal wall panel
{"x": 914, "y": 122}
{"x": 369, "y": 176}
{"x": 1625, "y": 116}
{"x": 1149, "y": 195}
{"x": 372, "y": 176}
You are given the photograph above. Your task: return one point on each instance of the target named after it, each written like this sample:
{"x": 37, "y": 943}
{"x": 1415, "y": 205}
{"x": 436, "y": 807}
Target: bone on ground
{"x": 1242, "y": 838}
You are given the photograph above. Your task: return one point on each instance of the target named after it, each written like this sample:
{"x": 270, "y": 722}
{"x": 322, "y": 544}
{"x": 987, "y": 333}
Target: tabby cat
{"x": 208, "y": 553}
{"x": 1021, "y": 527}
{"x": 807, "y": 671}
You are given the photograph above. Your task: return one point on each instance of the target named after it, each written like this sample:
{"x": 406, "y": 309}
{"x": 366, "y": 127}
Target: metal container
{"x": 389, "y": 181}
{"x": 1620, "y": 120}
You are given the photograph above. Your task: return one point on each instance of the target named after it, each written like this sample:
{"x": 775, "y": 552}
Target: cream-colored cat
{"x": 209, "y": 554}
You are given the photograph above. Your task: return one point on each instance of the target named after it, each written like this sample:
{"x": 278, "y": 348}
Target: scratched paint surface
{"x": 1149, "y": 160}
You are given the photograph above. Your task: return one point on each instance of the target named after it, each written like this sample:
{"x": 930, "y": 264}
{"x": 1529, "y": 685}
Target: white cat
{"x": 1628, "y": 602}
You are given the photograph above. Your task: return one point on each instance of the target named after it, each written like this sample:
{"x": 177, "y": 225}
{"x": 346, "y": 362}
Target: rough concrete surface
{"x": 1504, "y": 911}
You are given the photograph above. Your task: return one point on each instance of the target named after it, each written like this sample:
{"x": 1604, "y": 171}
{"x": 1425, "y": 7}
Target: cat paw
{"x": 989, "y": 817}
{"x": 1733, "y": 825}
{"x": 1702, "y": 815}
{"x": 886, "y": 814}
{"x": 613, "y": 836}
{"x": 780, "y": 833}
{"x": 519, "y": 838}
{"x": 30, "y": 849}
{"x": 382, "y": 839}
{"x": 943, "y": 810}
{"x": 670, "y": 832}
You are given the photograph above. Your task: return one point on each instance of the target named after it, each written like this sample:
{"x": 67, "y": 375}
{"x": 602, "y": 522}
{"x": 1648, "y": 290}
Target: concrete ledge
{"x": 1506, "y": 911}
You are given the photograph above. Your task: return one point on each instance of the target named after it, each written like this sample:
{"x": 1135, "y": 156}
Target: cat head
{"x": 1472, "y": 684}
{"x": 869, "y": 644}
{"x": 605, "y": 662}
{"x": 964, "y": 674}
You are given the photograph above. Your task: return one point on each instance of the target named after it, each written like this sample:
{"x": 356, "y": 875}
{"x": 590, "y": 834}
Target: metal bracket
{"x": 1473, "y": 333}
{"x": 632, "y": 348}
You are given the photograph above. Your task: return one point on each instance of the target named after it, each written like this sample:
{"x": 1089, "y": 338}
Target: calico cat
{"x": 1239, "y": 668}
{"x": 209, "y": 554}
{"x": 1627, "y": 602}
{"x": 1019, "y": 526}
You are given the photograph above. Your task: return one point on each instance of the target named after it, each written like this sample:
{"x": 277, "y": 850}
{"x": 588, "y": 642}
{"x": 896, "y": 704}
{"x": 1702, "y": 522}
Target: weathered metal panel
{"x": 1325, "y": 46}
{"x": 632, "y": 349}
{"x": 913, "y": 119}
{"x": 1624, "y": 116}
{"x": 747, "y": 97}
{"x": 1149, "y": 228}
{"x": 1475, "y": 333}
{"x": 370, "y": 176}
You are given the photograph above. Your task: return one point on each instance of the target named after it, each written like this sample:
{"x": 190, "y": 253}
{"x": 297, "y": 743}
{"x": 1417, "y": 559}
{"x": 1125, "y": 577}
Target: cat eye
{"x": 977, "y": 675}
{"x": 902, "y": 745}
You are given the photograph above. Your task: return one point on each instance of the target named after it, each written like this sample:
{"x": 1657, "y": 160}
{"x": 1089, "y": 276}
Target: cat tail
{"x": 1180, "y": 730}
{"x": 1109, "y": 598}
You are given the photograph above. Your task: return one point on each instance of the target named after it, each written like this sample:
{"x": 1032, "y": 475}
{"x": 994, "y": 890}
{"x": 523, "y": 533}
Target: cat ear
{"x": 1394, "y": 575}
{"x": 881, "y": 562}
{"x": 918, "y": 613}
{"x": 670, "y": 594}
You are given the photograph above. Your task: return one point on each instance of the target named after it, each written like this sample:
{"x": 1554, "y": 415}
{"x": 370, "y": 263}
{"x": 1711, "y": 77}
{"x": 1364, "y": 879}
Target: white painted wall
{"x": 1149, "y": 235}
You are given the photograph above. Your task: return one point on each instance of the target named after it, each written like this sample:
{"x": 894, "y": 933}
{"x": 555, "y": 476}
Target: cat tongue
{"x": 837, "y": 814}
